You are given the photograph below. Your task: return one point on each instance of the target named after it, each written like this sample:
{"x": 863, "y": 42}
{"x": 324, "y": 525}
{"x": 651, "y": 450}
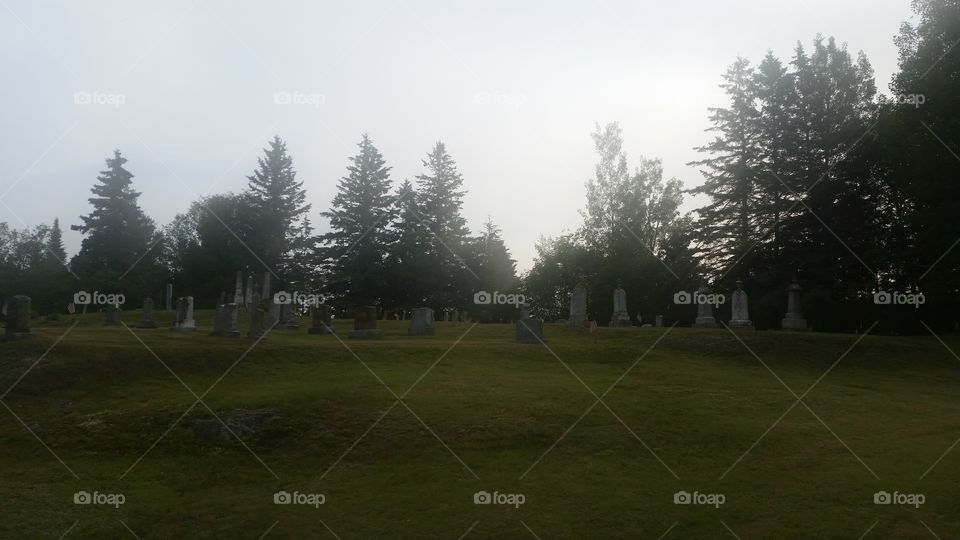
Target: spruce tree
{"x": 441, "y": 194}
{"x": 359, "y": 235}
{"x": 117, "y": 232}
{"x": 278, "y": 201}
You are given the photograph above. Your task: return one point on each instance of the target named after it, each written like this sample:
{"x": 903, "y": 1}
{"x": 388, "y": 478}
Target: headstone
{"x": 288, "y": 317}
{"x": 446, "y": 315}
{"x": 18, "y": 318}
{"x": 111, "y": 315}
{"x": 739, "y": 311}
{"x": 226, "y": 321}
{"x": 620, "y": 315}
{"x": 273, "y": 312}
{"x": 321, "y": 322}
{"x": 705, "y": 317}
{"x": 528, "y": 328}
{"x": 169, "y": 296}
{"x": 421, "y": 324}
{"x": 794, "y": 320}
{"x": 184, "y": 321}
{"x": 258, "y": 317}
{"x": 578, "y": 306}
{"x": 659, "y": 321}
{"x": 223, "y": 298}
{"x": 365, "y": 323}
{"x": 265, "y": 293}
{"x": 238, "y": 289}
{"x": 455, "y": 316}
{"x": 146, "y": 316}
{"x": 248, "y": 296}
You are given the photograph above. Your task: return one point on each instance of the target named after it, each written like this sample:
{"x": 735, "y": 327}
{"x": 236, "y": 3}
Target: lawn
{"x": 701, "y": 411}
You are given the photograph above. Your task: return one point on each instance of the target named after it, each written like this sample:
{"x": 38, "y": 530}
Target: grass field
{"x": 699, "y": 413}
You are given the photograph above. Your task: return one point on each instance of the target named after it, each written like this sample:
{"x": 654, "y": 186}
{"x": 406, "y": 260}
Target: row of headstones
{"x": 739, "y": 310}
{"x": 267, "y": 315}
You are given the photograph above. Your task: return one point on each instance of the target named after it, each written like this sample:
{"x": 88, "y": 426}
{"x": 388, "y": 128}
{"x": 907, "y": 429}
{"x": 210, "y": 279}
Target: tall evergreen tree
{"x": 441, "y": 194}
{"x": 407, "y": 261}
{"x": 497, "y": 272}
{"x": 359, "y": 235}
{"x": 117, "y": 232}
{"x": 278, "y": 202}
{"x": 729, "y": 223}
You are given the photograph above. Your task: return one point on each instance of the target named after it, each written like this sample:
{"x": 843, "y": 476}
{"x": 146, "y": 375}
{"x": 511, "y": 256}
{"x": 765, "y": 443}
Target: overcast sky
{"x": 190, "y": 91}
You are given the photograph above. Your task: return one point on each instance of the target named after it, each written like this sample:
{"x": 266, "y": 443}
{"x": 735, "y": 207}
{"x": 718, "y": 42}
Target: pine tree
{"x": 56, "y": 252}
{"x": 441, "y": 199}
{"x": 728, "y": 224}
{"x": 496, "y": 269}
{"x": 117, "y": 232}
{"x": 359, "y": 216}
{"x": 408, "y": 264}
{"x": 279, "y": 204}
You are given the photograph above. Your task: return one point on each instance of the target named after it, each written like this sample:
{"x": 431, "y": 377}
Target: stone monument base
{"x": 183, "y": 328}
{"x": 375, "y": 333}
{"x": 621, "y": 319}
{"x": 146, "y": 324}
{"x": 794, "y": 323}
{"x": 740, "y": 323}
{"x": 705, "y": 322}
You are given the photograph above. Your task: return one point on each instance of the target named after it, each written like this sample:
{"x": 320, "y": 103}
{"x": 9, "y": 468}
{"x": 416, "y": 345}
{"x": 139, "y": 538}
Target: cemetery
{"x": 451, "y": 270}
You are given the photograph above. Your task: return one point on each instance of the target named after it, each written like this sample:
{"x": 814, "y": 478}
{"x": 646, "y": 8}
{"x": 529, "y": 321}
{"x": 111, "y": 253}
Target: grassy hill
{"x": 319, "y": 415}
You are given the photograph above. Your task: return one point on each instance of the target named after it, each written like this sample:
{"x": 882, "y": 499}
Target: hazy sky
{"x": 188, "y": 91}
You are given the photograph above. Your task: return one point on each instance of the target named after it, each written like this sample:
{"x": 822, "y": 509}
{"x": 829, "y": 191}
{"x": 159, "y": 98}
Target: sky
{"x": 191, "y": 91}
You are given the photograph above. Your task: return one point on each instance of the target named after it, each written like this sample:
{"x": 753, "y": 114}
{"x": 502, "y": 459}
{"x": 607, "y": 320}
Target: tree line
{"x": 809, "y": 174}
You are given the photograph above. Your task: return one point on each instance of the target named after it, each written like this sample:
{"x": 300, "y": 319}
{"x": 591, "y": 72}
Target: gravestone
{"x": 365, "y": 323}
{"x": 265, "y": 293}
{"x": 578, "y": 306}
{"x": 225, "y": 323}
{"x": 528, "y": 328}
{"x": 620, "y": 315}
{"x": 659, "y": 321}
{"x": 288, "y": 317}
{"x": 446, "y": 315}
{"x": 793, "y": 320}
{"x": 146, "y": 315}
{"x": 739, "y": 311}
{"x": 238, "y": 289}
{"x": 169, "y": 296}
{"x": 248, "y": 295}
{"x": 258, "y": 317}
{"x": 421, "y": 324}
{"x": 111, "y": 315}
{"x": 705, "y": 317}
{"x": 184, "y": 321}
{"x": 18, "y": 318}
{"x": 218, "y": 321}
{"x": 321, "y": 322}
{"x": 273, "y": 312}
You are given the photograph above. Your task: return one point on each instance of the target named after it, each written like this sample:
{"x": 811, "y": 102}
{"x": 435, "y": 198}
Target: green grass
{"x": 699, "y": 400}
